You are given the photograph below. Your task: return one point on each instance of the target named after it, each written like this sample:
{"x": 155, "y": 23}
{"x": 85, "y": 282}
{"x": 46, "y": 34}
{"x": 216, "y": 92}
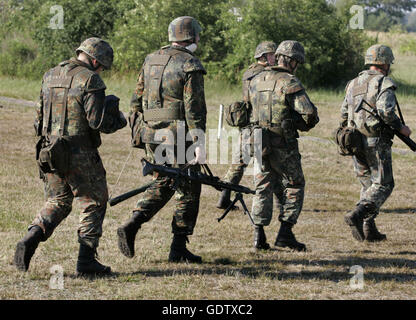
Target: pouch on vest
{"x": 349, "y": 141}
{"x": 237, "y": 114}
{"x": 53, "y": 152}
{"x": 54, "y": 156}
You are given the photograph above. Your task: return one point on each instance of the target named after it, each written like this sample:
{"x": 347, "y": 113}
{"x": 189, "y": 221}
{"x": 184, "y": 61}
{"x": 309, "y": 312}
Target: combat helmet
{"x": 183, "y": 29}
{"x": 292, "y": 49}
{"x": 98, "y": 49}
{"x": 378, "y": 55}
{"x": 265, "y": 47}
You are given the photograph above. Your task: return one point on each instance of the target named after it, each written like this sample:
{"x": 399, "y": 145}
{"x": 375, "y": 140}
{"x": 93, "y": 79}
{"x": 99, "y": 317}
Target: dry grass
{"x": 231, "y": 268}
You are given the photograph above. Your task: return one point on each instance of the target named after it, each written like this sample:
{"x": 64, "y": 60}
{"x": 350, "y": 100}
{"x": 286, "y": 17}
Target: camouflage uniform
{"x": 170, "y": 92}
{"x": 73, "y": 86}
{"x": 236, "y": 170}
{"x": 373, "y": 165}
{"x": 280, "y": 107}
{"x": 85, "y": 179}
{"x": 183, "y": 90}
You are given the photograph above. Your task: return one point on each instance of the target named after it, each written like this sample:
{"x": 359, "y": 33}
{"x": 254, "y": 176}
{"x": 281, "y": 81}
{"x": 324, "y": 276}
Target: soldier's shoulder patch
{"x": 193, "y": 65}
{"x": 388, "y": 83}
{"x": 95, "y": 83}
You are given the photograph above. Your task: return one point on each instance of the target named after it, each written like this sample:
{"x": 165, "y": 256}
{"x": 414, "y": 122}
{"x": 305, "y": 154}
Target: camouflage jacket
{"x": 379, "y": 91}
{"x": 170, "y": 88}
{"x": 253, "y": 70}
{"x": 86, "y": 116}
{"x": 280, "y": 102}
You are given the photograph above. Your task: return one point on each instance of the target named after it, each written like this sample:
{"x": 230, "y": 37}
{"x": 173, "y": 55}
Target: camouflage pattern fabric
{"x": 375, "y": 173}
{"x": 183, "y": 28}
{"x": 86, "y": 178}
{"x": 374, "y": 167}
{"x": 181, "y": 87}
{"x": 265, "y": 47}
{"x": 187, "y": 197}
{"x": 281, "y": 174}
{"x": 236, "y": 171}
{"x": 85, "y": 181}
{"x": 380, "y": 95}
{"x": 98, "y": 49}
{"x": 379, "y": 55}
{"x": 292, "y": 49}
{"x": 281, "y": 171}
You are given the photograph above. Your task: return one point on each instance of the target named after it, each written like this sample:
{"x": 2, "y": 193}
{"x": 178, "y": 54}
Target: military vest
{"x": 268, "y": 92}
{"x": 365, "y": 87}
{"x": 164, "y": 74}
{"x": 63, "y": 112}
{"x": 252, "y": 71}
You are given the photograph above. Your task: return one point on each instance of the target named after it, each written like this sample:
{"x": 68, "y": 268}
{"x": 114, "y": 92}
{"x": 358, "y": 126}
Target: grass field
{"x": 232, "y": 269}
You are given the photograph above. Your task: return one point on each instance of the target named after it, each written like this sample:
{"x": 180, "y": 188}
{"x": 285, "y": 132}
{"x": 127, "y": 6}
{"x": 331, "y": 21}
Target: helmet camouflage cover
{"x": 378, "y": 55}
{"x": 98, "y": 49}
{"x": 265, "y": 47}
{"x": 292, "y": 49}
{"x": 183, "y": 28}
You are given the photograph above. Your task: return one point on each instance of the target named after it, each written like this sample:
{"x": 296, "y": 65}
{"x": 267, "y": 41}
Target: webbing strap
{"x": 59, "y": 82}
{"x": 162, "y": 114}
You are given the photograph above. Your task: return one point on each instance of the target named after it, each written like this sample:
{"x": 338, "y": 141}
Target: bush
{"x": 333, "y": 53}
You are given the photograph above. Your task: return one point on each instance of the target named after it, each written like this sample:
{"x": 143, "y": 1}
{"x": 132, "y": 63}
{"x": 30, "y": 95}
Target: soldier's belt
{"x": 161, "y": 114}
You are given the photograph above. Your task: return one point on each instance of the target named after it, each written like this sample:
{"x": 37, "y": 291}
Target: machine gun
{"x": 409, "y": 142}
{"x": 180, "y": 174}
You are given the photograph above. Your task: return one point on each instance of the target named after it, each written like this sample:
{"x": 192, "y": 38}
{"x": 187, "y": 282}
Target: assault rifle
{"x": 181, "y": 174}
{"x": 409, "y": 142}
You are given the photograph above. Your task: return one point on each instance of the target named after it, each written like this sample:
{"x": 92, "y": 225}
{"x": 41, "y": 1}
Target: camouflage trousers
{"x": 85, "y": 181}
{"x": 375, "y": 172}
{"x": 187, "y": 195}
{"x": 281, "y": 174}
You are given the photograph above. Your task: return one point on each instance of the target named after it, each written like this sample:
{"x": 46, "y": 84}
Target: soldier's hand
{"x": 199, "y": 156}
{"x": 405, "y": 130}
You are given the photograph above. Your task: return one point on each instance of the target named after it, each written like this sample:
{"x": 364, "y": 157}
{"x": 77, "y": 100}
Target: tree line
{"x": 32, "y": 42}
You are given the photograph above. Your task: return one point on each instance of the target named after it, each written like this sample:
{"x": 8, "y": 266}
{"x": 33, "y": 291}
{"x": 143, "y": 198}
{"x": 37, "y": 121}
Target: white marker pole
{"x": 220, "y": 120}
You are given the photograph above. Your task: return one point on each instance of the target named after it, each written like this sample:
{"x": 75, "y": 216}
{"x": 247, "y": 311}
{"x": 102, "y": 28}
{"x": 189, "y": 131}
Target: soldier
{"x": 373, "y": 165}
{"x": 280, "y": 108}
{"x": 265, "y": 56}
{"x": 169, "y": 95}
{"x": 71, "y": 113}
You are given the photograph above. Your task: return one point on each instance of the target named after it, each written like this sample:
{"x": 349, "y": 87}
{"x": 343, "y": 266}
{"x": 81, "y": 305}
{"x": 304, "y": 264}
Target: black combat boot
{"x": 286, "y": 238}
{"x": 87, "y": 263}
{"x": 260, "y": 241}
{"x": 178, "y": 251}
{"x": 127, "y": 233}
{"x": 26, "y": 248}
{"x": 371, "y": 233}
{"x": 355, "y": 220}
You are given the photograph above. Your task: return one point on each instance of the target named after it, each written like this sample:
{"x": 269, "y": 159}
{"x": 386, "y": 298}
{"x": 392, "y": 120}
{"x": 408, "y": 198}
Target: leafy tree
{"x": 144, "y": 28}
{"x": 333, "y": 53}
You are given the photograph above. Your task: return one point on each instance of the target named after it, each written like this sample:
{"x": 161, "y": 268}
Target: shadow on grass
{"x": 398, "y": 210}
{"x": 263, "y": 268}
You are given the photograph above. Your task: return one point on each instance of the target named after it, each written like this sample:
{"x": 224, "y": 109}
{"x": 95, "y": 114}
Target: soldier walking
{"x": 281, "y": 107}
{"x": 72, "y": 112}
{"x": 169, "y": 94}
{"x": 265, "y": 56}
{"x": 373, "y": 165}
